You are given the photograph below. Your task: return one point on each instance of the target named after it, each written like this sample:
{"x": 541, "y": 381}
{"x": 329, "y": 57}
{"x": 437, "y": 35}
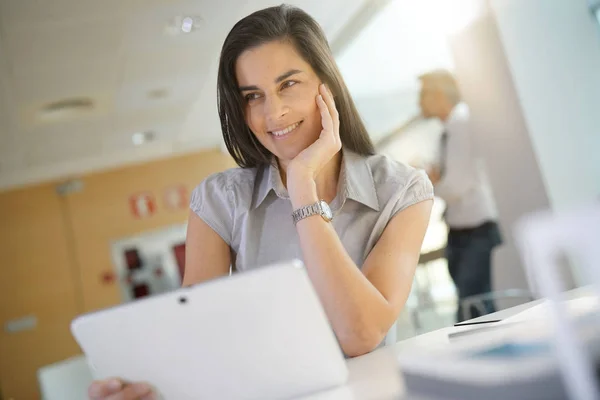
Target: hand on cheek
{"x": 306, "y": 166}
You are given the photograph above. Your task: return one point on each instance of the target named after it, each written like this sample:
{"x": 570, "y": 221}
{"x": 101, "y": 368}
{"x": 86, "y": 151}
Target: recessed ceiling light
{"x": 66, "y": 108}
{"x": 140, "y": 138}
{"x": 187, "y": 24}
{"x": 183, "y": 24}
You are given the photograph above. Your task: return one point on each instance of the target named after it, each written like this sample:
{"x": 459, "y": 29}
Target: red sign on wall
{"x": 176, "y": 197}
{"x": 142, "y": 205}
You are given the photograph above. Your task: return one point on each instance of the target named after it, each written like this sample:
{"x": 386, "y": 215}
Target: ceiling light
{"x": 187, "y": 24}
{"x": 66, "y": 108}
{"x": 140, "y": 138}
{"x": 183, "y": 24}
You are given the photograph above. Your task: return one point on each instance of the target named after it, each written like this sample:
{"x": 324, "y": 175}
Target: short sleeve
{"x": 212, "y": 200}
{"x": 418, "y": 188}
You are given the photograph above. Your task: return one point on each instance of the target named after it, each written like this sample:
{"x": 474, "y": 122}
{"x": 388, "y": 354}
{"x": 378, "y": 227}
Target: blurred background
{"x": 108, "y": 120}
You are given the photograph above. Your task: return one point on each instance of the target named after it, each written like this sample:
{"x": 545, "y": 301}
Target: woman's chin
{"x": 285, "y": 156}
{"x": 287, "y": 150}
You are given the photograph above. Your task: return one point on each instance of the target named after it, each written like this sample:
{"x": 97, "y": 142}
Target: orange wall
{"x": 55, "y": 248}
{"x": 36, "y": 278}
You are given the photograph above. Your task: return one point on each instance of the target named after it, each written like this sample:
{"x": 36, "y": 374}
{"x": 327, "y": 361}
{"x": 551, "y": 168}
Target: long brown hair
{"x": 285, "y": 23}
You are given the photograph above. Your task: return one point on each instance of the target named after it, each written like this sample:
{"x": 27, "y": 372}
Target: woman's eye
{"x": 288, "y": 84}
{"x": 251, "y": 96}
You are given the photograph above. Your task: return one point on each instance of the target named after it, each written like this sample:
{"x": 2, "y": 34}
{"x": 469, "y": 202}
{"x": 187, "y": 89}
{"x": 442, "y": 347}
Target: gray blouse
{"x": 250, "y": 208}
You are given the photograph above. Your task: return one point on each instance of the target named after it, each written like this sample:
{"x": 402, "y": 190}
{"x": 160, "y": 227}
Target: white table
{"x": 377, "y": 376}
{"x": 372, "y": 376}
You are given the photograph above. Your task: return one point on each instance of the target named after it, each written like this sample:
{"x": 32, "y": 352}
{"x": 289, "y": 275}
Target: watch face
{"x": 326, "y": 210}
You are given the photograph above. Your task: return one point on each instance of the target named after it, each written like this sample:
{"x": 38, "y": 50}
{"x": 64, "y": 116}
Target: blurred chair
{"x": 391, "y": 337}
{"x": 426, "y": 312}
{"x": 478, "y": 301}
{"x": 405, "y": 327}
{"x": 402, "y": 329}
{"x": 65, "y": 380}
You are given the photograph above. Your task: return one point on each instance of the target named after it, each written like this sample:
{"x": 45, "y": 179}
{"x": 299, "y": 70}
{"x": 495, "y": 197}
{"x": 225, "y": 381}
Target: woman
{"x": 289, "y": 122}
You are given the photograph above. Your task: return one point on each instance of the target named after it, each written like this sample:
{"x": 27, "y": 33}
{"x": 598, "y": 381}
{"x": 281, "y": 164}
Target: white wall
{"x": 531, "y": 72}
{"x": 553, "y": 50}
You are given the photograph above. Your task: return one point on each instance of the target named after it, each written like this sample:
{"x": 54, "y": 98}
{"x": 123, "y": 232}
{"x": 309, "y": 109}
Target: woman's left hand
{"x": 311, "y": 160}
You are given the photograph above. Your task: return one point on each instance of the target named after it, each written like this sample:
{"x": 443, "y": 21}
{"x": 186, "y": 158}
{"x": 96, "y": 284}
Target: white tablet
{"x": 255, "y": 335}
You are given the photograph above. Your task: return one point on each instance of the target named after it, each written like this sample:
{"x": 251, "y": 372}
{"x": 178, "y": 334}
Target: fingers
{"x": 328, "y": 97}
{"x": 326, "y": 120}
{"x": 99, "y": 390}
{"x": 329, "y": 118}
{"x": 114, "y": 389}
{"x": 134, "y": 391}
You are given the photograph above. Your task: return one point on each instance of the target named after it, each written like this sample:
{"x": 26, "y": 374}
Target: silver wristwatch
{"x": 319, "y": 208}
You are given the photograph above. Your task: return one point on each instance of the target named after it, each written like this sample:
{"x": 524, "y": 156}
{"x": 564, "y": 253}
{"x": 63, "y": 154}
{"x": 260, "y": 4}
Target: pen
{"x": 477, "y": 323}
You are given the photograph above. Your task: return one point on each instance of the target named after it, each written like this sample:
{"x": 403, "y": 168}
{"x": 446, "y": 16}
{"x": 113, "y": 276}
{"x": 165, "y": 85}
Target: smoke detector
{"x": 159, "y": 93}
{"x": 140, "y": 138}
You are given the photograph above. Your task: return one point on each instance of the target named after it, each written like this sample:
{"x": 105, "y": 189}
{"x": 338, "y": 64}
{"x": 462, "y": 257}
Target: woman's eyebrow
{"x": 287, "y": 75}
{"x": 247, "y": 88}
{"x": 280, "y": 78}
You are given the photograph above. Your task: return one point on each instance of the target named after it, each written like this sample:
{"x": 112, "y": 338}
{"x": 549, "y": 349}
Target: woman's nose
{"x": 275, "y": 108}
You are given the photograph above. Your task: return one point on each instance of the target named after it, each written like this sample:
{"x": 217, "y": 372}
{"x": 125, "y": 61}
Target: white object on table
{"x": 377, "y": 376}
{"x": 259, "y": 335}
{"x": 65, "y": 380}
{"x": 542, "y": 238}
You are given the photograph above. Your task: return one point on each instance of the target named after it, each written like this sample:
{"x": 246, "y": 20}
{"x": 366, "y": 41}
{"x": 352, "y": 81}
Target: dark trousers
{"x": 469, "y": 255}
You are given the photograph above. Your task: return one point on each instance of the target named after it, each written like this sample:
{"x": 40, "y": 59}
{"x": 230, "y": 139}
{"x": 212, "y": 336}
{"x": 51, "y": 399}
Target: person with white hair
{"x": 459, "y": 179}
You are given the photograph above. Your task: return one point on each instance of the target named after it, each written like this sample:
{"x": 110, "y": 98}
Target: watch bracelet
{"x": 306, "y": 211}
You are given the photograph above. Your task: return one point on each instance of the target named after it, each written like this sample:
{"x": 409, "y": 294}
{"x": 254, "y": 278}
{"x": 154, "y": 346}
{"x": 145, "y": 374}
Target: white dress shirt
{"x": 464, "y": 185}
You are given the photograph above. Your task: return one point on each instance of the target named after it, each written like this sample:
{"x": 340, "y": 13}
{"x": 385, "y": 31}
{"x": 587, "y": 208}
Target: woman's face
{"x": 279, "y": 90}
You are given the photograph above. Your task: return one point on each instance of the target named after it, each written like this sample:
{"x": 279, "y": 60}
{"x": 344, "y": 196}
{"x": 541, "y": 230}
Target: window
{"x": 382, "y": 64}
{"x": 381, "y": 67}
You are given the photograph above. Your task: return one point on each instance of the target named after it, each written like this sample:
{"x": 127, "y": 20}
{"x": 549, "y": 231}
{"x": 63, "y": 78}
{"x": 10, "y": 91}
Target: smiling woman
{"x": 305, "y": 42}
{"x": 309, "y": 186}
{"x": 281, "y": 113}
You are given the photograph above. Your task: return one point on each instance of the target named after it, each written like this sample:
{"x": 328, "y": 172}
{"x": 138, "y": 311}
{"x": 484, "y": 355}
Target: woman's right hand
{"x": 115, "y": 389}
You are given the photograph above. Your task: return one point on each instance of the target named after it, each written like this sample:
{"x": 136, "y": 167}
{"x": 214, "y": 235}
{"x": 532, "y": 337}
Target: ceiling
{"x": 116, "y": 54}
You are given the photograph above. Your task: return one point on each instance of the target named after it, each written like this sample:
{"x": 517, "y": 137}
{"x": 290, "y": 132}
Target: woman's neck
{"x": 326, "y": 182}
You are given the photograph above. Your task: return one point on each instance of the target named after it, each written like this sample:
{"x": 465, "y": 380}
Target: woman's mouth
{"x": 280, "y": 134}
